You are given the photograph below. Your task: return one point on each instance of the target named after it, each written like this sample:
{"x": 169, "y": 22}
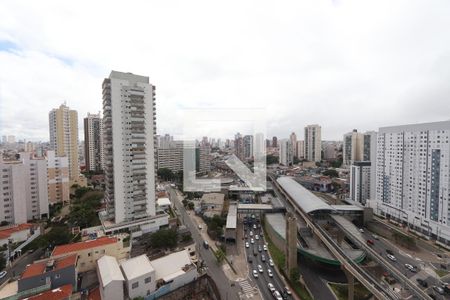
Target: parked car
{"x": 255, "y": 273}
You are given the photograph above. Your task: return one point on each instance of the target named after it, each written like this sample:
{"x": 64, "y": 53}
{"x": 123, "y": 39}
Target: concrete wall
{"x": 113, "y": 291}
{"x": 276, "y": 239}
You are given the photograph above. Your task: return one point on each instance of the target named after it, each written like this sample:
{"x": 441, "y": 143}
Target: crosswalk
{"x": 247, "y": 289}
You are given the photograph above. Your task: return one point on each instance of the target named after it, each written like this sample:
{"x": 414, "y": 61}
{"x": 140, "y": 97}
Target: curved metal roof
{"x": 306, "y": 200}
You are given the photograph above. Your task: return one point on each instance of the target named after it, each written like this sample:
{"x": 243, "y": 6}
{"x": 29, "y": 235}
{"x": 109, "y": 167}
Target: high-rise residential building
{"x": 248, "y": 146}
{"x": 268, "y": 143}
{"x": 30, "y": 147}
{"x": 360, "y": 181}
{"x": 274, "y": 142}
{"x": 165, "y": 141}
{"x": 358, "y": 146}
{"x": 58, "y": 178}
{"x": 239, "y": 146}
{"x": 300, "y": 149}
{"x": 63, "y": 123}
{"x": 293, "y": 138}
{"x": 4, "y": 139}
{"x": 412, "y": 176}
{"x": 330, "y": 150}
{"x": 203, "y": 159}
{"x": 170, "y": 156}
{"x": 24, "y": 190}
{"x": 286, "y": 154}
{"x": 313, "y": 143}
{"x": 129, "y": 130}
{"x": 93, "y": 142}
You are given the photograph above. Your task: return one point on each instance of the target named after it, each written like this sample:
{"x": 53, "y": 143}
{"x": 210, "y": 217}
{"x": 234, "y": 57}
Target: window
{"x": 134, "y": 285}
{"x": 148, "y": 279}
{"x": 57, "y": 276}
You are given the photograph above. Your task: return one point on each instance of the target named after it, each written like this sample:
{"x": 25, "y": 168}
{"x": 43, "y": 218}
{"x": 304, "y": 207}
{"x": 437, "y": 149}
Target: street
{"x": 20, "y": 265}
{"x": 228, "y": 290}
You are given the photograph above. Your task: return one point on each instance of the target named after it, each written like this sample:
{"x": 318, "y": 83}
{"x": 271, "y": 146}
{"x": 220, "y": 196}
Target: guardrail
{"x": 363, "y": 277}
{"x": 397, "y": 274}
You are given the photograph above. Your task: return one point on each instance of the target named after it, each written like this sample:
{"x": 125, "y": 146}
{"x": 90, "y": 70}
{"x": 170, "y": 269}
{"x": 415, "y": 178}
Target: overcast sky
{"x": 341, "y": 64}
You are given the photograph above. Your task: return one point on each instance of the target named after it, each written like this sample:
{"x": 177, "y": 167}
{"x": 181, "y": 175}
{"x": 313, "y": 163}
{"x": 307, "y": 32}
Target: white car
{"x": 247, "y": 245}
{"x": 255, "y": 273}
{"x": 251, "y": 233}
{"x": 391, "y": 257}
{"x": 269, "y": 271}
{"x": 200, "y": 227}
{"x": 375, "y": 236}
{"x": 265, "y": 247}
{"x": 260, "y": 269}
{"x": 361, "y": 230}
{"x": 3, "y": 274}
{"x": 287, "y": 291}
{"x": 271, "y": 287}
{"x": 410, "y": 267}
{"x": 254, "y": 226}
{"x": 270, "y": 262}
{"x": 277, "y": 295}
{"x": 252, "y": 241}
{"x": 257, "y": 237}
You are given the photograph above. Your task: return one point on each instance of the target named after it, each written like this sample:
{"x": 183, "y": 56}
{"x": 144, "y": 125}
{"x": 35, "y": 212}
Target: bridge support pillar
{"x": 351, "y": 284}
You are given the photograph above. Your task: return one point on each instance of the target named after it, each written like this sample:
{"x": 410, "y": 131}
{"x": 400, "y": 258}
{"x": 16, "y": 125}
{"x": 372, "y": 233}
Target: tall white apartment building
{"x": 129, "y": 129}
{"x": 93, "y": 142}
{"x": 313, "y": 143}
{"x": 413, "y": 176}
{"x": 360, "y": 179}
{"x": 63, "y": 125}
{"x": 358, "y": 147}
{"x": 286, "y": 154}
{"x": 293, "y": 138}
{"x": 300, "y": 149}
{"x": 23, "y": 190}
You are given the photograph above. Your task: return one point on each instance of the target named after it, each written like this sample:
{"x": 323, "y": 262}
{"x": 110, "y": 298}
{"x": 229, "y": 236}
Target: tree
{"x": 83, "y": 211}
{"x": 166, "y": 174}
{"x": 191, "y": 205}
{"x": 331, "y": 173}
{"x": 271, "y": 159}
{"x": 296, "y": 160}
{"x": 2, "y": 262}
{"x": 337, "y": 163}
{"x": 295, "y": 275}
{"x": 164, "y": 238}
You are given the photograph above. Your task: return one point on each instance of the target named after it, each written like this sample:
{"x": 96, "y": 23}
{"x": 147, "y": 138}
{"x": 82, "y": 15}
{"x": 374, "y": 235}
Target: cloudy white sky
{"x": 341, "y": 64}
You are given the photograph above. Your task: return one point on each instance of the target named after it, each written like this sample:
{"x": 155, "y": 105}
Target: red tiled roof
{"x": 39, "y": 267}
{"x": 69, "y": 248}
{"x": 94, "y": 294}
{"x": 60, "y": 293}
{"x": 6, "y": 233}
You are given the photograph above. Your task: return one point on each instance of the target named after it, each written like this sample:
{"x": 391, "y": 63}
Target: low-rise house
{"x": 17, "y": 233}
{"x": 61, "y": 293}
{"x": 53, "y": 272}
{"x": 89, "y": 251}
{"x": 212, "y": 204}
{"x": 110, "y": 278}
{"x": 140, "y": 276}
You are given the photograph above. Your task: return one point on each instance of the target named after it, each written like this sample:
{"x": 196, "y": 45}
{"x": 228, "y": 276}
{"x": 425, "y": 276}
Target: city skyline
{"x": 316, "y": 65}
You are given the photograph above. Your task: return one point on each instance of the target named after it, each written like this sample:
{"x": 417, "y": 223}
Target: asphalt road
{"x": 228, "y": 289}
{"x": 21, "y": 264}
{"x": 263, "y": 278}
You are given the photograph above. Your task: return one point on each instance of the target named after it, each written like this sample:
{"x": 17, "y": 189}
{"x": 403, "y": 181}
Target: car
{"x": 375, "y": 236}
{"x": 271, "y": 287}
{"x": 260, "y": 269}
{"x": 277, "y": 295}
{"x": 438, "y": 289}
{"x": 252, "y": 241}
{"x": 287, "y": 290}
{"x": 259, "y": 248}
{"x": 200, "y": 227}
{"x": 269, "y": 271}
{"x": 256, "y": 237}
{"x": 422, "y": 282}
{"x": 270, "y": 262}
{"x": 391, "y": 257}
{"x": 389, "y": 252}
{"x": 370, "y": 242}
{"x": 264, "y": 247}
{"x": 247, "y": 245}
{"x": 255, "y": 273}
{"x": 361, "y": 230}
{"x": 3, "y": 274}
{"x": 263, "y": 258}
{"x": 251, "y": 233}
{"x": 246, "y": 237}
{"x": 410, "y": 267}
{"x": 249, "y": 259}
{"x": 205, "y": 244}
{"x": 254, "y": 226}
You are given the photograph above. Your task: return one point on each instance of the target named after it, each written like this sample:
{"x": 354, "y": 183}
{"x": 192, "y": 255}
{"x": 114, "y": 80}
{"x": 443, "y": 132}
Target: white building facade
{"x": 129, "y": 146}
{"x": 413, "y": 177}
{"x": 286, "y": 154}
{"x": 313, "y": 143}
{"x": 360, "y": 178}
